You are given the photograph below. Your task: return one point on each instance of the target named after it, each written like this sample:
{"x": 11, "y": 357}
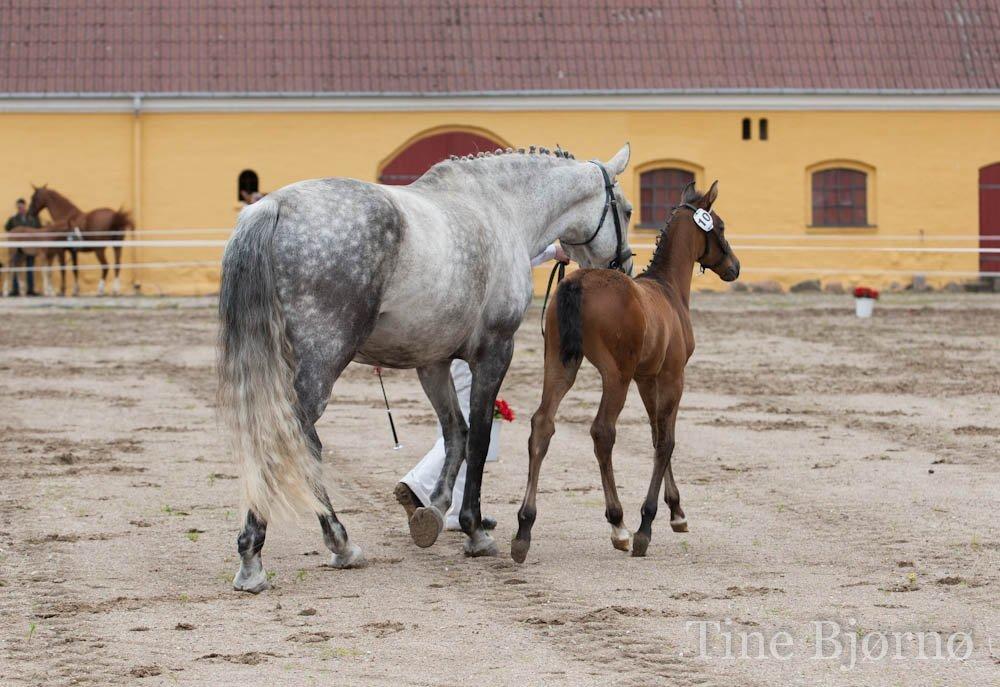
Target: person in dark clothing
{"x": 23, "y": 219}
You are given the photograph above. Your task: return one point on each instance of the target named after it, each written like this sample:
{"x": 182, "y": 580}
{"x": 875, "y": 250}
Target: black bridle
{"x": 610, "y": 203}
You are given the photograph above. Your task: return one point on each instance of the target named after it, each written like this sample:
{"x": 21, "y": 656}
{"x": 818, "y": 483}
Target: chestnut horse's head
{"x": 714, "y": 251}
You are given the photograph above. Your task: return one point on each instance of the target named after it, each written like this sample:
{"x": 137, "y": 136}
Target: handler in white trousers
{"x": 415, "y": 489}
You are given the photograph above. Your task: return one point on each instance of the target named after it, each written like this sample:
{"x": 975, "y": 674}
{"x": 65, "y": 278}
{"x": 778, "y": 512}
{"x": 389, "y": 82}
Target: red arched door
{"x": 422, "y": 154}
{"x": 989, "y": 217}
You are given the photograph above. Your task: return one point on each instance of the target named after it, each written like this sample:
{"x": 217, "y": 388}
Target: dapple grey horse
{"x": 327, "y": 271}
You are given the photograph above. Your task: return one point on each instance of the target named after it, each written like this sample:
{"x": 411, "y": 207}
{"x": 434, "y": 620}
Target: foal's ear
{"x": 709, "y": 198}
{"x": 689, "y": 194}
{"x": 619, "y": 162}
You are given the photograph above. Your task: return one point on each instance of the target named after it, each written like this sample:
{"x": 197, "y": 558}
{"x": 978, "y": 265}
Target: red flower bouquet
{"x": 502, "y": 410}
{"x": 866, "y": 292}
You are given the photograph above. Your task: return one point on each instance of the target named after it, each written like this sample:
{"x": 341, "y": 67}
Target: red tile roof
{"x": 441, "y": 46}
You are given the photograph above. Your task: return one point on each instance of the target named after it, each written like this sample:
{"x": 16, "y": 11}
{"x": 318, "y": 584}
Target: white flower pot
{"x": 864, "y": 307}
{"x": 493, "y": 454}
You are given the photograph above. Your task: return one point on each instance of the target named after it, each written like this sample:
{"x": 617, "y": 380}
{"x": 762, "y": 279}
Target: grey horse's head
{"x": 604, "y": 245}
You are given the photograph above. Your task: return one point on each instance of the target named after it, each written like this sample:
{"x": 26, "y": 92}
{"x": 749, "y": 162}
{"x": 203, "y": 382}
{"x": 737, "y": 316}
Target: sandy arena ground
{"x": 831, "y": 469}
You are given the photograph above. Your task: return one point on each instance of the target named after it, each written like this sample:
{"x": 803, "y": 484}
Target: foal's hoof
{"x": 481, "y": 545}
{"x": 640, "y": 542}
{"x": 252, "y": 583}
{"x": 680, "y": 525}
{"x": 519, "y": 549}
{"x": 353, "y": 558}
{"x": 425, "y": 526}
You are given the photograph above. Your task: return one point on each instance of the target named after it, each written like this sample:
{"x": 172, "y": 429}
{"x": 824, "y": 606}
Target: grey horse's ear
{"x": 689, "y": 194}
{"x": 619, "y": 162}
{"x": 709, "y": 198}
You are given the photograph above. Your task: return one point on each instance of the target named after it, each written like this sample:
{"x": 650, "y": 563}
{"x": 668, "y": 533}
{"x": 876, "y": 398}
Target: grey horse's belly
{"x": 407, "y": 342}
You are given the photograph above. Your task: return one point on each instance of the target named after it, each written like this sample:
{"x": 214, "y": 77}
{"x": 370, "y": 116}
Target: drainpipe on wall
{"x": 136, "y": 186}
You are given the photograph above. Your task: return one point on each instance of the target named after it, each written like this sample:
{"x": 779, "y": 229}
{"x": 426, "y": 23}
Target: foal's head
{"x": 39, "y": 199}
{"x": 696, "y": 217}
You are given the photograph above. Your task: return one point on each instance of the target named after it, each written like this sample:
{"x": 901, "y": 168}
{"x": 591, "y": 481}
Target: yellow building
{"x": 850, "y": 162}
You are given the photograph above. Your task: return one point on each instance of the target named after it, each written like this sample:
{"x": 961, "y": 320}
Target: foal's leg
{"x": 488, "y": 371}
{"x": 75, "y": 255}
{"x": 61, "y": 256}
{"x": 116, "y": 285}
{"x": 6, "y": 275}
{"x": 665, "y": 418}
{"x": 558, "y": 380}
{"x": 603, "y": 432}
{"x": 102, "y": 257}
{"x": 427, "y": 522}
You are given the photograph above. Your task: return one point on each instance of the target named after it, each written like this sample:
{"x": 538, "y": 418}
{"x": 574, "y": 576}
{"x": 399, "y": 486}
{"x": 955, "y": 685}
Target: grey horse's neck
{"x": 530, "y": 191}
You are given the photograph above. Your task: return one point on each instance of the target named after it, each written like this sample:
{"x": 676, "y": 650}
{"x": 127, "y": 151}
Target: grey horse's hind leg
{"x": 487, "y": 374}
{"x": 427, "y": 522}
{"x": 344, "y": 554}
{"x": 251, "y": 577}
{"x": 313, "y": 384}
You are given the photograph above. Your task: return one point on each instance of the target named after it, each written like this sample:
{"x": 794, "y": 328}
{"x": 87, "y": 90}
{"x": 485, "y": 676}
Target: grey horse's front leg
{"x": 427, "y": 522}
{"x": 487, "y": 374}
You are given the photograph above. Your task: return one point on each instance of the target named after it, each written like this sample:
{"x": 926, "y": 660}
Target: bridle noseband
{"x": 610, "y": 202}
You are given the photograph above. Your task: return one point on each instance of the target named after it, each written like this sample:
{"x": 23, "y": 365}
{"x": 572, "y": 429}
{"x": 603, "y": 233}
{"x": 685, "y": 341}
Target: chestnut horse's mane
{"x": 661, "y": 251}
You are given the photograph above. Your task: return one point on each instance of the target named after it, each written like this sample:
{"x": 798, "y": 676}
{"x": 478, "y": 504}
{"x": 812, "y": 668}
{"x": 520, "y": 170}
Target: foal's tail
{"x": 569, "y": 301}
{"x": 257, "y": 396}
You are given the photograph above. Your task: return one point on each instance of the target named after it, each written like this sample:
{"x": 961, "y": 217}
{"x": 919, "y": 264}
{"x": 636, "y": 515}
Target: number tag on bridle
{"x": 704, "y": 220}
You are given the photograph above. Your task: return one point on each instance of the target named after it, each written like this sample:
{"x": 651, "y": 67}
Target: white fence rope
{"x": 642, "y": 232}
{"x": 217, "y": 243}
{"x": 124, "y": 265}
{"x": 819, "y": 271}
{"x": 220, "y": 243}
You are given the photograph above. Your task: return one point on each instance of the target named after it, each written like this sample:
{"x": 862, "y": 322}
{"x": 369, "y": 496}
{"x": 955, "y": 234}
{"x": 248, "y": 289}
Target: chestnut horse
{"x": 629, "y": 329}
{"x": 102, "y": 224}
{"x": 53, "y": 231}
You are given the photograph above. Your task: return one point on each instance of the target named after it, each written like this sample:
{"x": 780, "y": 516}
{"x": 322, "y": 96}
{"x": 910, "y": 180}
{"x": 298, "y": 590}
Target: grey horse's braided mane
{"x": 532, "y": 150}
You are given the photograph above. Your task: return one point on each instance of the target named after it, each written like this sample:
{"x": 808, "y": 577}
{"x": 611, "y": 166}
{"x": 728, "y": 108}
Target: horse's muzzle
{"x": 733, "y": 273}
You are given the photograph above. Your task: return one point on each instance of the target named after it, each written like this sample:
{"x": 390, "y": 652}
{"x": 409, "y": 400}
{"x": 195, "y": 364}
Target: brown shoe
{"x": 407, "y": 499}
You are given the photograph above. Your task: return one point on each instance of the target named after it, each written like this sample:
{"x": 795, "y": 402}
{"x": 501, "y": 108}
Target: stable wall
{"x": 179, "y": 171}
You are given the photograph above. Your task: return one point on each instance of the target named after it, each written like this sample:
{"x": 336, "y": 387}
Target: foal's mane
{"x": 662, "y": 250}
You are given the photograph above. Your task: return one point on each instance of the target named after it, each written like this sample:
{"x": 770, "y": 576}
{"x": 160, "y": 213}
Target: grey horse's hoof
{"x": 252, "y": 583}
{"x": 482, "y": 545}
{"x": 680, "y": 525}
{"x": 425, "y": 526}
{"x": 519, "y": 549}
{"x": 352, "y": 559}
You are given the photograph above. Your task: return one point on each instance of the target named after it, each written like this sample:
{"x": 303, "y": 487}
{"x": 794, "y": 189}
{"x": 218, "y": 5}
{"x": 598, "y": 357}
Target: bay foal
{"x": 629, "y": 329}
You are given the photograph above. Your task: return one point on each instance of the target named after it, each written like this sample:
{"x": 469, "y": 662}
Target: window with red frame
{"x": 659, "y": 191}
{"x": 840, "y": 198}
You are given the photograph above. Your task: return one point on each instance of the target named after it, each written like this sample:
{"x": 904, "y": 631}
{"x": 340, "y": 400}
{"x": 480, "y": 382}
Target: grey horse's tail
{"x": 569, "y": 301}
{"x": 257, "y": 398}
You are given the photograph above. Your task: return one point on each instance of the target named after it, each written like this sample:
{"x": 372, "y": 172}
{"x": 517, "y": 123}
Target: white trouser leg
{"x": 424, "y": 476}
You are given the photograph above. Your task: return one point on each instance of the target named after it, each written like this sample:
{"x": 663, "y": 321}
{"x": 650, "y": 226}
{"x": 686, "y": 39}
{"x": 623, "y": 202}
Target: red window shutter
{"x": 659, "y": 192}
{"x": 410, "y": 163}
